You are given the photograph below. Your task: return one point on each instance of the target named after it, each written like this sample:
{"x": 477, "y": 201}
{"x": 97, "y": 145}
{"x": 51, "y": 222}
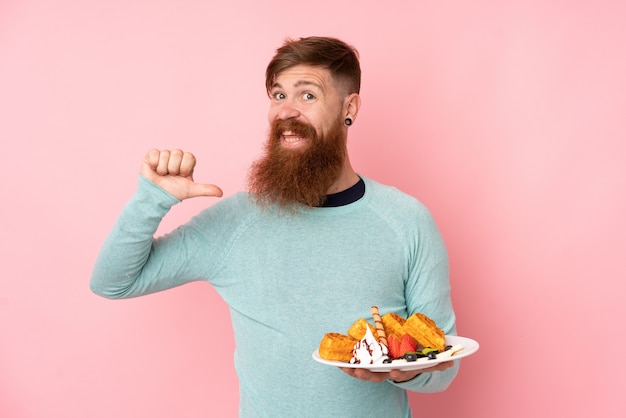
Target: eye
{"x": 278, "y": 95}
{"x": 308, "y": 96}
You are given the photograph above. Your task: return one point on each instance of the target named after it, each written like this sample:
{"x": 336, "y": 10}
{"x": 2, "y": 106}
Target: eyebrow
{"x": 300, "y": 83}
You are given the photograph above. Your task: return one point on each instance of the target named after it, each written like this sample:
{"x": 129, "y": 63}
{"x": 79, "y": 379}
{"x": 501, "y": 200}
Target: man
{"x": 308, "y": 250}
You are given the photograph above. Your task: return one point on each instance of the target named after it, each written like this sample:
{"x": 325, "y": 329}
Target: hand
{"x": 173, "y": 172}
{"x": 395, "y": 375}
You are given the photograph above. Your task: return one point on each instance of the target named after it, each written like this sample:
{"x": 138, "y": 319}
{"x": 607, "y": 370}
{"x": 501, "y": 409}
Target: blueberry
{"x": 410, "y": 357}
{"x": 432, "y": 355}
{"x": 387, "y": 360}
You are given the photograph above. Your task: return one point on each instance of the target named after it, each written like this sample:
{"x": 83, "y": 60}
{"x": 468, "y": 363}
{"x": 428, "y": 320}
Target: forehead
{"x": 304, "y": 75}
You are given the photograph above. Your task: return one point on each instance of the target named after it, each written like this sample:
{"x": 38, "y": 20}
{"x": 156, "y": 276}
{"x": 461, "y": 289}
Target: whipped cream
{"x": 368, "y": 350}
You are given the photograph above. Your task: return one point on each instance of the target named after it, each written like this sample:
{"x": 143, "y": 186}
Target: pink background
{"x": 506, "y": 118}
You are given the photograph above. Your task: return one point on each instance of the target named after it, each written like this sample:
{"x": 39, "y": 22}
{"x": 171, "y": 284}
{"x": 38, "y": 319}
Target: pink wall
{"x": 505, "y": 118}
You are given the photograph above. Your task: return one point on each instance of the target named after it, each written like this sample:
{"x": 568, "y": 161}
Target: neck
{"x": 347, "y": 178}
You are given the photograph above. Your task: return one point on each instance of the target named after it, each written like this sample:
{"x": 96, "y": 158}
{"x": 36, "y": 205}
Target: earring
{"x": 348, "y": 121}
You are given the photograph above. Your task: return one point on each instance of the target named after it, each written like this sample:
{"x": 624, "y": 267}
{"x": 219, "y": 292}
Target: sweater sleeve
{"x": 120, "y": 271}
{"x": 428, "y": 291}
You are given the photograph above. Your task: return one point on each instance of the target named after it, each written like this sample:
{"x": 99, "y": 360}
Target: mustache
{"x": 292, "y": 125}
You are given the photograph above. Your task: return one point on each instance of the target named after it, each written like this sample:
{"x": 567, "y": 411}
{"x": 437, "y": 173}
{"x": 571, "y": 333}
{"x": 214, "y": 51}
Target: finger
{"x": 174, "y": 162}
{"x": 375, "y": 377}
{"x": 152, "y": 158}
{"x": 366, "y": 375}
{"x": 403, "y": 376}
{"x": 347, "y": 370}
{"x": 162, "y": 165}
{"x": 187, "y": 164}
{"x": 197, "y": 190}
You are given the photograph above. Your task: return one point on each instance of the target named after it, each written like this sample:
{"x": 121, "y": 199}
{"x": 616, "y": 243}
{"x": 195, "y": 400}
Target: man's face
{"x": 307, "y": 95}
{"x": 306, "y": 147}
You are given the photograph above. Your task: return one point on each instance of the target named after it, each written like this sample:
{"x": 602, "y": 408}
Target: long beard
{"x": 292, "y": 177}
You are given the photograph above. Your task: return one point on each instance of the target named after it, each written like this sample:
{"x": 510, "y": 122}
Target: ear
{"x": 351, "y": 106}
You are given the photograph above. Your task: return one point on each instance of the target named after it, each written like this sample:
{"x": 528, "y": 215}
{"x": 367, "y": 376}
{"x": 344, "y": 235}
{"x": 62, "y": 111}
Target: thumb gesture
{"x": 173, "y": 172}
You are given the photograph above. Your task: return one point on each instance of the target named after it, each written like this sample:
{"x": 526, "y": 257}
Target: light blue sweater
{"x": 288, "y": 280}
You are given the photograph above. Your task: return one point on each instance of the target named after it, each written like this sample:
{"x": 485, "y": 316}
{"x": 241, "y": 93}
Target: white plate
{"x": 469, "y": 347}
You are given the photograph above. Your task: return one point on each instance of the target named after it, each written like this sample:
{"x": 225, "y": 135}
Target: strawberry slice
{"x": 393, "y": 346}
{"x": 407, "y": 345}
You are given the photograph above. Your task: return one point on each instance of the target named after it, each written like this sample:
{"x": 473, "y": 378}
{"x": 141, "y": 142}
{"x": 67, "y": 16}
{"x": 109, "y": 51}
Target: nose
{"x": 287, "y": 110}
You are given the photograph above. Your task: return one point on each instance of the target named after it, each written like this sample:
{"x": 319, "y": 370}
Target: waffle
{"x": 393, "y": 325}
{"x": 357, "y": 330}
{"x": 337, "y": 347}
{"x": 425, "y": 331}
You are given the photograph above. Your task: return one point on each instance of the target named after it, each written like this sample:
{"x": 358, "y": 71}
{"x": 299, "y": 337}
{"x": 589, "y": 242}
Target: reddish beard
{"x": 288, "y": 177}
